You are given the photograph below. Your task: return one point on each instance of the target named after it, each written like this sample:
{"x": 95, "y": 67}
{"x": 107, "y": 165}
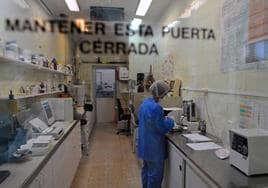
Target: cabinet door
{"x": 47, "y": 176}
{"x": 193, "y": 179}
{"x": 35, "y": 183}
{"x": 174, "y": 170}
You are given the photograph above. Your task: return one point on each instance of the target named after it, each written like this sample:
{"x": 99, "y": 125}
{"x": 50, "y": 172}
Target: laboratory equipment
{"x": 189, "y": 110}
{"x": 249, "y": 150}
{"x": 62, "y": 108}
{"x": 38, "y": 125}
{"x": 40, "y": 128}
{"x": 48, "y": 113}
{"x": 12, "y": 50}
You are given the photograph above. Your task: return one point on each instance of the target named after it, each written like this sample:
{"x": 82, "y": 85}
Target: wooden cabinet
{"x": 174, "y": 168}
{"x": 61, "y": 167}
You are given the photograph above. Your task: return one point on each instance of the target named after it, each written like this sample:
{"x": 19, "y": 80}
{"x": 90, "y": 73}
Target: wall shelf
{"x": 16, "y": 62}
{"x": 29, "y": 96}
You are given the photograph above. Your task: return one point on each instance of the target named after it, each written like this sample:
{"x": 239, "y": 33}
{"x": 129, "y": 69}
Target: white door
{"x": 105, "y": 94}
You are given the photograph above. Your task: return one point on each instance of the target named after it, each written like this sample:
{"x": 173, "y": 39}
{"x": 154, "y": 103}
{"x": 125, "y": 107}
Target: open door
{"x": 105, "y": 94}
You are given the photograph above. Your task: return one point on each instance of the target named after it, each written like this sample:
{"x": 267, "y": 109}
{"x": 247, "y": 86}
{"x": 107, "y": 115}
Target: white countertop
{"x": 22, "y": 173}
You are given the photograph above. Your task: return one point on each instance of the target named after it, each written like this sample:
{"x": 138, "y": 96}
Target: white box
{"x": 123, "y": 73}
{"x": 249, "y": 150}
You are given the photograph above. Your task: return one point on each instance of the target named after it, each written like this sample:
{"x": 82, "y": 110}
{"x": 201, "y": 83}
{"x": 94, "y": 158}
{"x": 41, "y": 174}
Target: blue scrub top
{"x": 153, "y": 126}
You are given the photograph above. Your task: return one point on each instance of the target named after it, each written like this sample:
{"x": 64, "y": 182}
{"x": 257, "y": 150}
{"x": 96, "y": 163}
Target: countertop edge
{"x": 35, "y": 172}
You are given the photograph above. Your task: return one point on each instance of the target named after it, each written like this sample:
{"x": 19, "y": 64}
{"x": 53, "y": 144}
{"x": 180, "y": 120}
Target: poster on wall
{"x": 244, "y": 43}
{"x": 249, "y": 113}
{"x": 167, "y": 67}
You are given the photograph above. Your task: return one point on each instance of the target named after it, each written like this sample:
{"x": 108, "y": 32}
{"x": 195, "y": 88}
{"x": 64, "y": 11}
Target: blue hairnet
{"x": 159, "y": 88}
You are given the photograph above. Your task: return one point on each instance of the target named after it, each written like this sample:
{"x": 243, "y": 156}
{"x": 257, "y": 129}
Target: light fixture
{"x": 143, "y": 7}
{"x": 135, "y": 23}
{"x": 172, "y": 24}
{"x": 22, "y": 3}
{"x": 196, "y": 4}
{"x": 72, "y": 5}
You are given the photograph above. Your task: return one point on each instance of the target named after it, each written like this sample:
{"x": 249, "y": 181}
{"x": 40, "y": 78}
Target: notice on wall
{"x": 249, "y": 113}
{"x": 167, "y": 67}
{"x": 244, "y": 35}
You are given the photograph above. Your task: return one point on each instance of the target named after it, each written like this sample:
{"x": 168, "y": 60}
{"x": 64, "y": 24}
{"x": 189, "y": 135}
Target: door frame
{"x": 93, "y": 84}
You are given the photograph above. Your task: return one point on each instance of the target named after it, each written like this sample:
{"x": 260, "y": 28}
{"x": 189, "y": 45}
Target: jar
{"x": 12, "y": 50}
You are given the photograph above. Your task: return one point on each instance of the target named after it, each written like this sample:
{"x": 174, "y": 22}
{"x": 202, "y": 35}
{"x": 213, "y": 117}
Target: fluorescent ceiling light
{"x": 173, "y": 23}
{"x": 143, "y": 7}
{"x": 22, "y": 3}
{"x": 135, "y": 23}
{"x": 196, "y": 4}
{"x": 72, "y": 5}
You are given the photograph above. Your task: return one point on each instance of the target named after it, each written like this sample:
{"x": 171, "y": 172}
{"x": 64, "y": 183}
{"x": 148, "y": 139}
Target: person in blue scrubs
{"x": 153, "y": 126}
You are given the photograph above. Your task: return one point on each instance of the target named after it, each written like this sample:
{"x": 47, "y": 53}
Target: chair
{"x": 123, "y": 118}
{"x": 134, "y": 128}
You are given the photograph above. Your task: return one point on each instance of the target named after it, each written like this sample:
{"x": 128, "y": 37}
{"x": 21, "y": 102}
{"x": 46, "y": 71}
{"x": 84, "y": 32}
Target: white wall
{"x": 197, "y": 64}
{"x": 49, "y": 44}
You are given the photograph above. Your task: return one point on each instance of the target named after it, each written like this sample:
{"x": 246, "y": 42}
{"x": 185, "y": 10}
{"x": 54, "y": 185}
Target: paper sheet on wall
{"x": 234, "y": 34}
{"x": 244, "y": 35}
{"x": 203, "y": 146}
{"x": 249, "y": 113}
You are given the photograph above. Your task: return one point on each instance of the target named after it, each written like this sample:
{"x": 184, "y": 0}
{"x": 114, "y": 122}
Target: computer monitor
{"x": 49, "y": 115}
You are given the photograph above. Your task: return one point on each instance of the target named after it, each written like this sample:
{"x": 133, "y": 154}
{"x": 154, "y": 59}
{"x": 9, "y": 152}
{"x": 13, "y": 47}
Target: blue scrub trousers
{"x": 152, "y": 174}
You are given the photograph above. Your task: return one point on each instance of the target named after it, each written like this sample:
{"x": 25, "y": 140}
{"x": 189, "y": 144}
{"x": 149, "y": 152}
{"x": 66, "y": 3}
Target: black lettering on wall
{"x": 100, "y": 28}
{"x": 204, "y": 30}
{"x": 97, "y": 47}
{"x": 63, "y": 26}
{"x": 13, "y": 26}
{"x": 153, "y": 50}
{"x": 149, "y": 31}
{"x": 38, "y": 26}
{"x": 84, "y": 47}
{"x": 143, "y": 49}
{"x": 118, "y": 29}
{"x": 132, "y": 49}
{"x": 211, "y": 34}
{"x": 27, "y": 26}
{"x": 75, "y": 27}
{"x": 120, "y": 47}
{"x": 195, "y": 33}
{"x": 52, "y": 24}
{"x": 175, "y": 33}
{"x": 165, "y": 30}
{"x": 109, "y": 47}
{"x": 88, "y": 28}
{"x": 185, "y": 33}
{"x": 129, "y": 32}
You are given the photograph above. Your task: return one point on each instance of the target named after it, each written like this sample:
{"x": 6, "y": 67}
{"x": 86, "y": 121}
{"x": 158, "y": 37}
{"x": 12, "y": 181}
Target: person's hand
{"x": 172, "y": 118}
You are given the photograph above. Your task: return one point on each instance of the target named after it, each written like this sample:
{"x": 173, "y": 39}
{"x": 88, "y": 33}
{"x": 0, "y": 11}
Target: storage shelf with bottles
{"x": 32, "y": 95}
{"x": 24, "y": 64}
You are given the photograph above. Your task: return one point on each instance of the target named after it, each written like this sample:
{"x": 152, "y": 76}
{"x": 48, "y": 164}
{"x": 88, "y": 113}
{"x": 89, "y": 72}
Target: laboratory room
{"x": 133, "y": 94}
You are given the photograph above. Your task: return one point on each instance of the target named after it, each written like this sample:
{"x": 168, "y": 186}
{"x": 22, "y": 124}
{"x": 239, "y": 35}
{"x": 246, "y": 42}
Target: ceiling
{"x": 154, "y": 13}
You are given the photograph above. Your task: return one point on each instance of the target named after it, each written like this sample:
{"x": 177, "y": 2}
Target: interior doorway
{"x": 105, "y": 94}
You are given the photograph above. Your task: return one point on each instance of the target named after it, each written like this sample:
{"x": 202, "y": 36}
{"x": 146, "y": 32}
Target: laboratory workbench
{"x": 215, "y": 172}
{"x": 31, "y": 173}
